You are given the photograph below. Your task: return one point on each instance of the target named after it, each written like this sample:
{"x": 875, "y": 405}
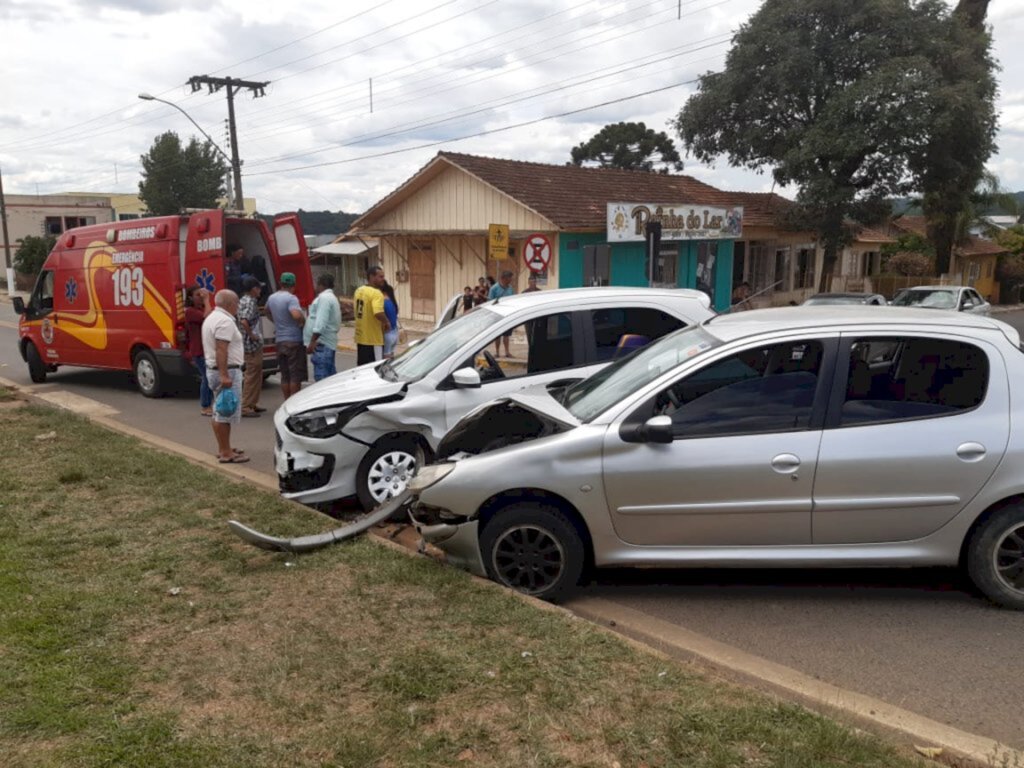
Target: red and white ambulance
{"x": 113, "y": 295}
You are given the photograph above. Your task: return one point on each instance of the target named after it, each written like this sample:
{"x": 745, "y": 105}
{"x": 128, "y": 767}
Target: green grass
{"x": 352, "y": 656}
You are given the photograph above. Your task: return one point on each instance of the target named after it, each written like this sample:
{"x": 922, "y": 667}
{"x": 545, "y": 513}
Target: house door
{"x": 421, "y": 278}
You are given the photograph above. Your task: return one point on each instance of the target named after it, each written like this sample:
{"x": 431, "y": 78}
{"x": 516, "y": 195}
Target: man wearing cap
{"x": 320, "y": 334}
{"x": 252, "y": 342}
{"x": 284, "y": 309}
{"x": 371, "y": 320}
{"x": 225, "y": 358}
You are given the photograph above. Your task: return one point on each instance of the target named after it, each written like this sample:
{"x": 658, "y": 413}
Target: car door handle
{"x": 971, "y": 451}
{"x": 786, "y": 463}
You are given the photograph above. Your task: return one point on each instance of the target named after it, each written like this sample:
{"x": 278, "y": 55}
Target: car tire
{"x": 147, "y": 374}
{"x": 36, "y": 366}
{"x": 385, "y": 469}
{"x": 995, "y": 557}
{"x": 533, "y": 548}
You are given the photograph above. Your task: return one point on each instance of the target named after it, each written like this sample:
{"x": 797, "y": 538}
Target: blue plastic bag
{"x": 226, "y": 403}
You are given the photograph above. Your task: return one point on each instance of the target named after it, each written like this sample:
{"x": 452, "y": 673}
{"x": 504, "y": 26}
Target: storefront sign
{"x": 627, "y": 222}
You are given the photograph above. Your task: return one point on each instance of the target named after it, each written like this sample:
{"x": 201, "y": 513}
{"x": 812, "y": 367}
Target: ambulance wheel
{"x": 147, "y": 374}
{"x": 36, "y": 366}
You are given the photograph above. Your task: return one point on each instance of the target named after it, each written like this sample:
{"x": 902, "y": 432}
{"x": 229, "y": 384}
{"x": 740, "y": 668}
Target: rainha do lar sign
{"x": 537, "y": 252}
{"x": 627, "y": 222}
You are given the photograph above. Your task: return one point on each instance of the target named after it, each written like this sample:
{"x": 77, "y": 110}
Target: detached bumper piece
{"x": 319, "y": 540}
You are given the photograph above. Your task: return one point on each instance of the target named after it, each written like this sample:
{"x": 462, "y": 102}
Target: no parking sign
{"x": 537, "y": 252}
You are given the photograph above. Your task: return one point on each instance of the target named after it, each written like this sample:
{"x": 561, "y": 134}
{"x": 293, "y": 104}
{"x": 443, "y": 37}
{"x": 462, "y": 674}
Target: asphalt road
{"x": 921, "y": 640}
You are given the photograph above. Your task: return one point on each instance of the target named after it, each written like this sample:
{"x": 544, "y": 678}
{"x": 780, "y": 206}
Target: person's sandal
{"x": 206, "y": 412}
{"x": 235, "y": 459}
{"x": 250, "y": 414}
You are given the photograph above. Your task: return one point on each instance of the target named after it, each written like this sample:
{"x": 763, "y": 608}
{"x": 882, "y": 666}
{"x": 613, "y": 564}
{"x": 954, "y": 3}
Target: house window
{"x": 53, "y": 225}
{"x": 805, "y": 268}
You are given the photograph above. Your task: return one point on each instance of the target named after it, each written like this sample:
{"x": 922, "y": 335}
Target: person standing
{"x": 371, "y": 320}
{"x": 531, "y": 284}
{"x": 391, "y": 312}
{"x": 467, "y": 299}
{"x": 501, "y": 290}
{"x": 197, "y": 307}
{"x": 320, "y": 334}
{"x": 285, "y": 311}
{"x": 225, "y": 355}
{"x": 233, "y": 268}
{"x": 252, "y": 342}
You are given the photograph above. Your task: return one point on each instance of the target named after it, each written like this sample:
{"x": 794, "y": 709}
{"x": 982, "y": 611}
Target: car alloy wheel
{"x": 147, "y": 375}
{"x": 528, "y": 558}
{"x": 533, "y": 547}
{"x": 995, "y": 557}
{"x": 389, "y": 475}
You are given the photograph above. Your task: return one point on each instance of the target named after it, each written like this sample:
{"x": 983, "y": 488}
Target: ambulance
{"x": 112, "y": 295}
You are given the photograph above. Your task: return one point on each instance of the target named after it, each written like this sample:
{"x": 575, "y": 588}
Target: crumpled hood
{"x": 356, "y": 385}
{"x": 539, "y": 400}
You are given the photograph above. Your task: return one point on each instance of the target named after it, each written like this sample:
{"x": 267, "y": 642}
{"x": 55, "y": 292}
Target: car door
{"x": 908, "y": 443}
{"x": 740, "y": 468}
{"x": 545, "y": 347}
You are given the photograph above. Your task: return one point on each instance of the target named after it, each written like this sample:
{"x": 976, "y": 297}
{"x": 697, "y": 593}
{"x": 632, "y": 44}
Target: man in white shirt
{"x": 225, "y": 360}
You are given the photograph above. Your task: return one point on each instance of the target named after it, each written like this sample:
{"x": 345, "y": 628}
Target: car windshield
{"x": 591, "y": 397}
{"x": 924, "y": 297}
{"x": 419, "y": 360}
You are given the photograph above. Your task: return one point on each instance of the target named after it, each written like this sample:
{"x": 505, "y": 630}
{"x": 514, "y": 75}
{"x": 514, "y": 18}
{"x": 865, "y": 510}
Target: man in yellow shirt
{"x": 371, "y": 322}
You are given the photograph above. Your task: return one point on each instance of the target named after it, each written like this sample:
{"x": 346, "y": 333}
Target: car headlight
{"x": 323, "y": 422}
{"x": 429, "y": 475}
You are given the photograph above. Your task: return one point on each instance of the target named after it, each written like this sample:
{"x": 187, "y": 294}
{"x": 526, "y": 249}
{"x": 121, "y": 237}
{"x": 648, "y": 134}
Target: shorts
{"x": 366, "y": 353}
{"x": 213, "y": 379}
{"x": 291, "y": 362}
{"x": 390, "y": 342}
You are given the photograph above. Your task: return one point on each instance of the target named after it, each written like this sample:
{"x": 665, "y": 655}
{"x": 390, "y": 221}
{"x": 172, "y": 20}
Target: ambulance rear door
{"x": 204, "y": 251}
{"x": 292, "y": 256}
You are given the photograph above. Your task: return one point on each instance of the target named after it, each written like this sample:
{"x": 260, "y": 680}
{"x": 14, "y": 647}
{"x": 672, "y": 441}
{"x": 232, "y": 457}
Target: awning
{"x": 346, "y": 248}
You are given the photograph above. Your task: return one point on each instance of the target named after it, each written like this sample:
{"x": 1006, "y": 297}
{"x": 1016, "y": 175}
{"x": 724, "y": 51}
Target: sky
{"x": 364, "y": 93}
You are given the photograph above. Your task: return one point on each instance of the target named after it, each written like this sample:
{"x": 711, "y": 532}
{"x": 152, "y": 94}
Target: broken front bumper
{"x": 459, "y": 541}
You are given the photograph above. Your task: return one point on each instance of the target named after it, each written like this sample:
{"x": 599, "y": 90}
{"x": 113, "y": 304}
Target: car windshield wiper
{"x": 386, "y": 372}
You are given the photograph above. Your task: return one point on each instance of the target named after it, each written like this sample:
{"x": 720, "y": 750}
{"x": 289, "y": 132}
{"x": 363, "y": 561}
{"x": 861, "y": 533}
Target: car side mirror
{"x": 19, "y": 304}
{"x": 657, "y": 429}
{"x": 466, "y": 378}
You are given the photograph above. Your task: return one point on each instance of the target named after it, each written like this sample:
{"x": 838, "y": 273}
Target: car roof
{"x": 737, "y": 325}
{"x": 851, "y": 295}
{"x": 936, "y": 288}
{"x": 568, "y": 297}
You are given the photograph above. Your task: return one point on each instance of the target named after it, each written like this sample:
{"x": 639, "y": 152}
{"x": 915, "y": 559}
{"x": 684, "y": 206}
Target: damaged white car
{"x": 364, "y": 432}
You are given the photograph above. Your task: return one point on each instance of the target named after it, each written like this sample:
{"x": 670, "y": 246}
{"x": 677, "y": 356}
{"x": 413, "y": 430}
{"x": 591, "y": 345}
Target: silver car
{"x": 803, "y": 437}
{"x": 958, "y": 298}
{"x": 363, "y": 432}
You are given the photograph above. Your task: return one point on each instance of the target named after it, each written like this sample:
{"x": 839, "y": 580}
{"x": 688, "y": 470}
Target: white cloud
{"x": 441, "y": 69}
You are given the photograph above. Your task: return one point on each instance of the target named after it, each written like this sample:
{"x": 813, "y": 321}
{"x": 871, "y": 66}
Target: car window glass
{"x": 767, "y": 389}
{"x": 621, "y": 330}
{"x": 42, "y": 296}
{"x": 912, "y": 378}
{"x": 536, "y": 346}
{"x": 419, "y": 360}
{"x": 923, "y": 297}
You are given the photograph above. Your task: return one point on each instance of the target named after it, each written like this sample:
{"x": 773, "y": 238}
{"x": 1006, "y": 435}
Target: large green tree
{"x": 175, "y": 177}
{"x": 950, "y": 165}
{"x": 831, "y": 97}
{"x": 631, "y": 147}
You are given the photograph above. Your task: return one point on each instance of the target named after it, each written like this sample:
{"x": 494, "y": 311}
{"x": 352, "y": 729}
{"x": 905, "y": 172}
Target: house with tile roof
{"x": 433, "y": 232}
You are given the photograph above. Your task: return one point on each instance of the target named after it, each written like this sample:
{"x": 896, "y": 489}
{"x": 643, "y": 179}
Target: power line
{"x": 478, "y": 134}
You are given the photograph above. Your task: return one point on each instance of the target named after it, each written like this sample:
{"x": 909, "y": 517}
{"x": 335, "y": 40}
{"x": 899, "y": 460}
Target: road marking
{"x": 668, "y": 637}
{"x": 84, "y": 406}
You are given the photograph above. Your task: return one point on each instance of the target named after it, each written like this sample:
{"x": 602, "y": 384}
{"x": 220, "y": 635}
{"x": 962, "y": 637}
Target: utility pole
{"x": 231, "y": 86}
{"x": 7, "y": 239}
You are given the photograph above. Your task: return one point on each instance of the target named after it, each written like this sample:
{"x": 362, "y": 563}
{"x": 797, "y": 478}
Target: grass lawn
{"x": 136, "y": 631}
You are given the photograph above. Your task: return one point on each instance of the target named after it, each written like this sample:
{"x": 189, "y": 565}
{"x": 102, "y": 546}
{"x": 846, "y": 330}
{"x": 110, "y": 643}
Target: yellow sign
{"x": 498, "y": 241}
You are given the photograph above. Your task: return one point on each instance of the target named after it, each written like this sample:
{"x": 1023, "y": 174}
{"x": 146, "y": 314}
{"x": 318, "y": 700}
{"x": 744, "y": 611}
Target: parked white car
{"x": 959, "y": 298}
{"x": 365, "y": 431}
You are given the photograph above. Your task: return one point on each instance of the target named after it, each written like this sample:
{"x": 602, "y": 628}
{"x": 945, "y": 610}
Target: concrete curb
{"x": 651, "y": 635}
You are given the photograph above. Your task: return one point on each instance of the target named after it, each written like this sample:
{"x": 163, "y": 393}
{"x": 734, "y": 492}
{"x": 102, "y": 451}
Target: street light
{"x": 237, "y": 193}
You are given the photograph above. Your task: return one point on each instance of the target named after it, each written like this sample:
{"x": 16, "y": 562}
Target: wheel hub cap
{"x": 145, "y": 374}
{"x": 389, "y": 475}
{"x": 1009, "y": 558}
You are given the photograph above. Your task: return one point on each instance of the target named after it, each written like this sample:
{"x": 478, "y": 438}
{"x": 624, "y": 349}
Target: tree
{"x": 32, "y": 252}
{"x": 631, "y": 147}
{"x": 950, "y": 164}
{"x": 176, "y": 177}
{"x": 831, "y": 96}
{"x": 911, "y": 254}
